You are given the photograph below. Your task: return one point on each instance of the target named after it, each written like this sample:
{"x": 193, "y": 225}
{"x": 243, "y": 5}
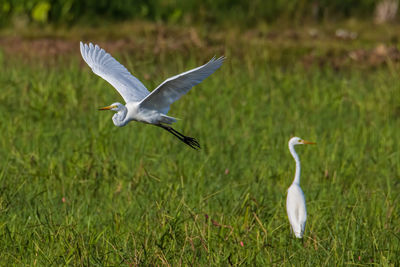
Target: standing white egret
{"x": 295, "y": 201}
{"x": 141, "y": 105}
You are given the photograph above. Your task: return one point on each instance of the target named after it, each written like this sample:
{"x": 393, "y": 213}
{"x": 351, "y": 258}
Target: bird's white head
{"x": 298, "y": 141}
{"x": 119, "y": 118}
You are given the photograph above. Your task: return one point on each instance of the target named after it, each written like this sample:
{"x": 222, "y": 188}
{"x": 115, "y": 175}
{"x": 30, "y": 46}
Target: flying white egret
{"x": 141, "y": 105}
{"x": 295, "y": 201}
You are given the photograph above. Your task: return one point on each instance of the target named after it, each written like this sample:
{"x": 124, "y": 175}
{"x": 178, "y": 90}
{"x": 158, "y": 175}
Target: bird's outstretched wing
{"x": 173, "y": 88}
{"x": 108, "y": 68}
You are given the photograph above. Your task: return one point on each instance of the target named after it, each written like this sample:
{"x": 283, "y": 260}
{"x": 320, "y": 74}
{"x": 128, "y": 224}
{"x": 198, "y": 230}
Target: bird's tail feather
{"x": 167, "y": 119}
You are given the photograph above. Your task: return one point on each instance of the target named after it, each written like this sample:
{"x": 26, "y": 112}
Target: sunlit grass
{"x": 75, "y": 189}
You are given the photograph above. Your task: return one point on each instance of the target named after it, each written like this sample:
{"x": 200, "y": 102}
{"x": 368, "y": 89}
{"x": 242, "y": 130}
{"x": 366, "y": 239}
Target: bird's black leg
{"x": 190, "y": 141}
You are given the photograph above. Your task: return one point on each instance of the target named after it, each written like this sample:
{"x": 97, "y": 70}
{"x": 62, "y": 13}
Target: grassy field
{"x": 76, "y": 190}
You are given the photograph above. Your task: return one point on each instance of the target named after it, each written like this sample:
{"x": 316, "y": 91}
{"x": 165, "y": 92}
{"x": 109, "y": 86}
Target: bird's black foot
{"x": 190, "y": 141}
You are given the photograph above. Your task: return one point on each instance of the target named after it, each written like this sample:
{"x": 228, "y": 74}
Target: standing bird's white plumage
{"x": 295, "y": 201}
{"x": 141, "y": 105}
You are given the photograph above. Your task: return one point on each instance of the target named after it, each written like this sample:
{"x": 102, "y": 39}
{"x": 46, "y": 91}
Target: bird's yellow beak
{"x": 307, "y": 142}
{"x": 108, "y": 107}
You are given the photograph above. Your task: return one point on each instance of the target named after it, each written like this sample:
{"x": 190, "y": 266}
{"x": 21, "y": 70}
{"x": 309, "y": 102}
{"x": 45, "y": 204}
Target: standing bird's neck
{"x": 119, "y": 118}
{"x": 298, "y": 167}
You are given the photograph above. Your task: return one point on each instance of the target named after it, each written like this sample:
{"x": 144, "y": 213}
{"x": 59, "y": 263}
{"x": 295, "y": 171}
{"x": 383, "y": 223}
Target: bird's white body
{"x": 142, "y": 105}
{"x": 295, "y": 201}
{"x": 296, "y": 209}
{"x": 137, "y": 113}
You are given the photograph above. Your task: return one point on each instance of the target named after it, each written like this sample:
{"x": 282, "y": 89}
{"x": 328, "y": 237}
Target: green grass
{"x": 137, "y": 196}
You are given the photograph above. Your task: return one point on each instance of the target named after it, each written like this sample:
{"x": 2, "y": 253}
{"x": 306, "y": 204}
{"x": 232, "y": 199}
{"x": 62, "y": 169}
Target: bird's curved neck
{"x": 298, "y": 166}
{"x": 119, "y": 118}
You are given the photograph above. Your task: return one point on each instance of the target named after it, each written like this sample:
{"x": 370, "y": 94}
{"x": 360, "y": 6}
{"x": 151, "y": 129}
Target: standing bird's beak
{"x": 108, "y": 107}
{"x": 307, "y": 142}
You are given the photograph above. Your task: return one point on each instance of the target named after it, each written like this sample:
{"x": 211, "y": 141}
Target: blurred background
{"x": 364, "y": 32}
{"x": 234, "y": 13}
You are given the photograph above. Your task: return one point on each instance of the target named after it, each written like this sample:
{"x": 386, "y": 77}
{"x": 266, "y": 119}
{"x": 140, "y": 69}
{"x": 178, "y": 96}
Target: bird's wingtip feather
{"x": 218, "y": 61}
{"x": 221, "y": 58}
{"x": 81, "y": 47}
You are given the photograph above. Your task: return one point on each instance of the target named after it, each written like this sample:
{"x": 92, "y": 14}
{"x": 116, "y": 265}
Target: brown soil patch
{"x": 311, "y": 47}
